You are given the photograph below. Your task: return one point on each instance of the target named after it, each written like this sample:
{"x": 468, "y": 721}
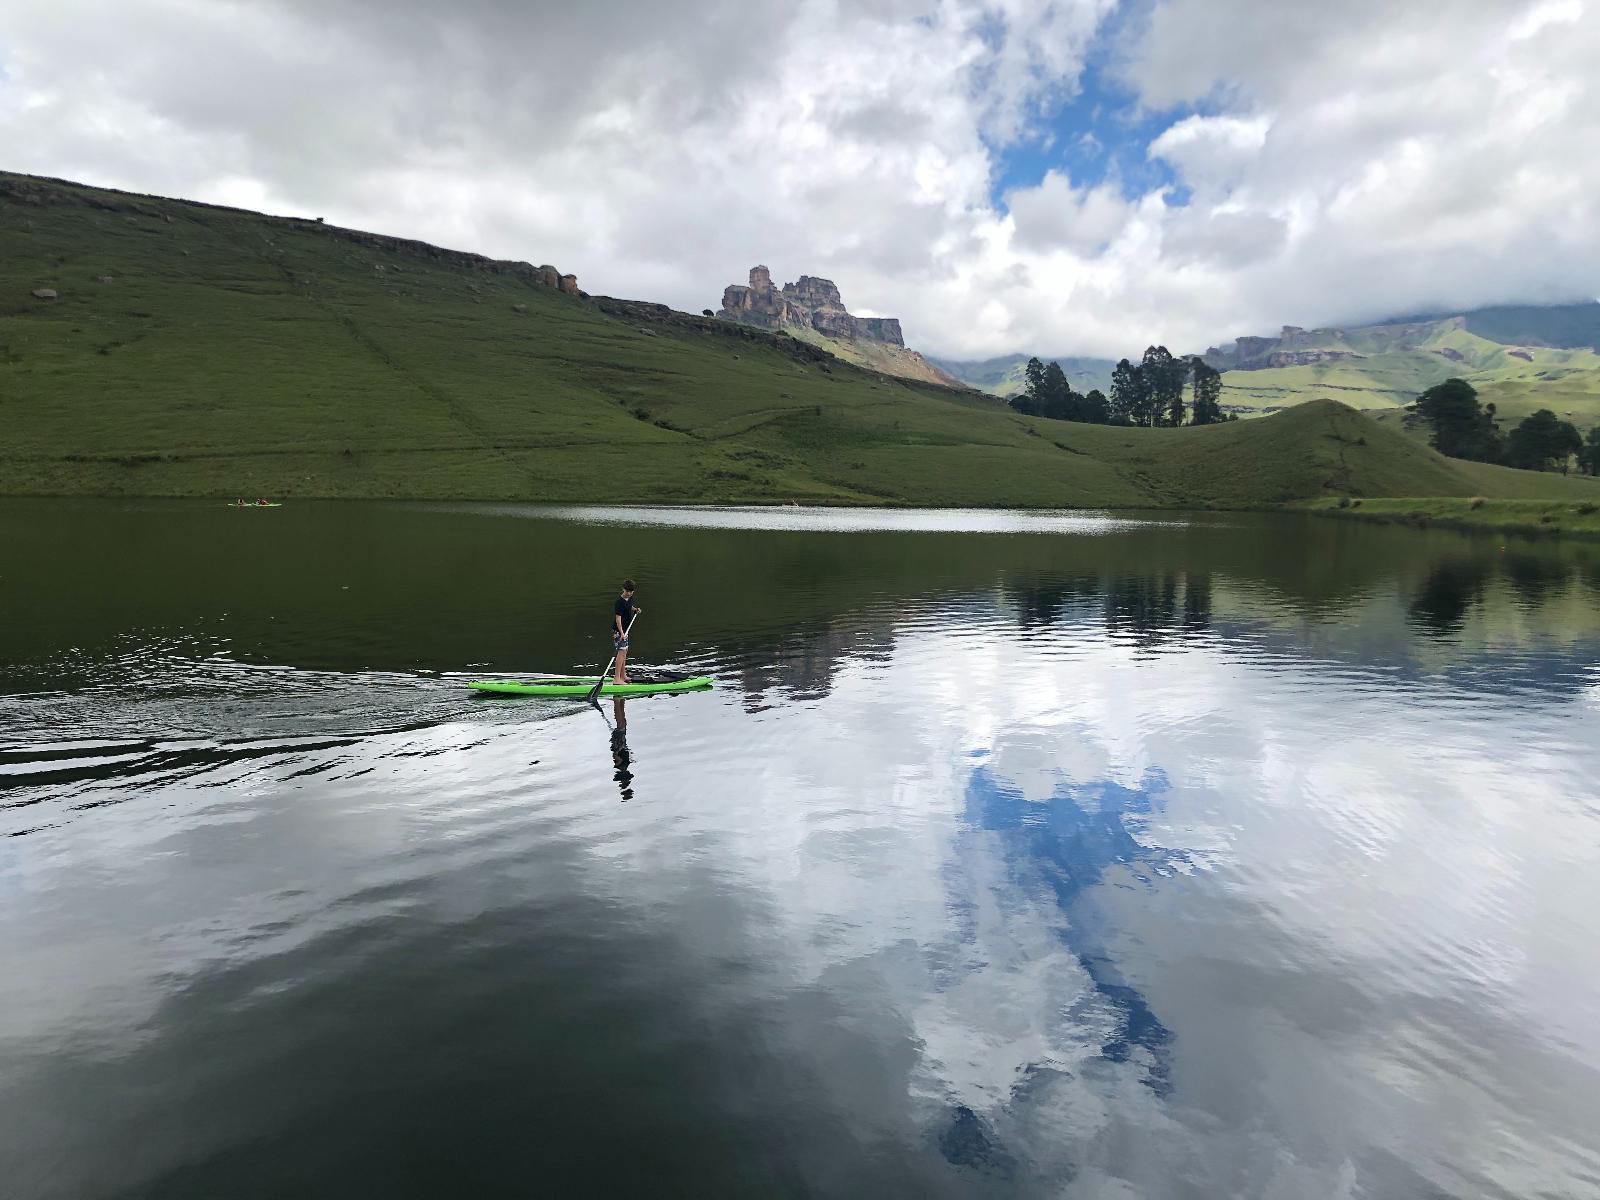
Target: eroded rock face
{"x": 810, "y": 302}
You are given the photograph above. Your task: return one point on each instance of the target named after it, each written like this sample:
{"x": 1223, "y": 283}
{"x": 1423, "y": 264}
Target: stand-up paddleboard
{"x": 582, "y": 687}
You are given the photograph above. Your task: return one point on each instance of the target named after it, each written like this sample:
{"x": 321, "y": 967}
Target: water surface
{"x": 1013, "y": 855}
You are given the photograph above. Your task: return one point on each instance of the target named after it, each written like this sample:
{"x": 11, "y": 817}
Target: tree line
{"x": 1150, "y": 394}
{"x": 1464, "y": 428}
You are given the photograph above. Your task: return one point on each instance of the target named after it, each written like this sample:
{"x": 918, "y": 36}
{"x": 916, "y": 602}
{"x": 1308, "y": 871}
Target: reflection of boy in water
{"x": 620, "y": 755}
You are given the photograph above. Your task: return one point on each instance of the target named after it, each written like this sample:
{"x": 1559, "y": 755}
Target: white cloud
{"x": 1055, "y": 214}
{"x": 1390, "y": 160}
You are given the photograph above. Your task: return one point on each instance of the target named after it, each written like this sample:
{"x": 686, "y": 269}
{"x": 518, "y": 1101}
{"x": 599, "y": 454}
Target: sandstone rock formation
{"x": 811, "y": 302}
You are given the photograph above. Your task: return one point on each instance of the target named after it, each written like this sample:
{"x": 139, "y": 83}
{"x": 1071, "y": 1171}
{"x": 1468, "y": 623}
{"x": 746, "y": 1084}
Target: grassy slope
{"x": 879, "y": 356}
{"x": 232, "y": 354}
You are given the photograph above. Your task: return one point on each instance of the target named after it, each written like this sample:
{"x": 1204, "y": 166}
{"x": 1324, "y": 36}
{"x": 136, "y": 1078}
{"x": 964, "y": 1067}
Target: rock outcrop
{"x": 810, "y": 302}
{"x": 1297, "y": 347}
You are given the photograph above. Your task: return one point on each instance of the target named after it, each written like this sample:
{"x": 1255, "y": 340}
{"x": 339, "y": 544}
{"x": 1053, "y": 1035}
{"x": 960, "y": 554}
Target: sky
{"x": 1081, "y": 177}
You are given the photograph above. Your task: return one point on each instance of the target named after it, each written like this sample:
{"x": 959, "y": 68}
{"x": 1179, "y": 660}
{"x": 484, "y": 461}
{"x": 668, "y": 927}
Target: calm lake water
{"x": 1012, "y": 855}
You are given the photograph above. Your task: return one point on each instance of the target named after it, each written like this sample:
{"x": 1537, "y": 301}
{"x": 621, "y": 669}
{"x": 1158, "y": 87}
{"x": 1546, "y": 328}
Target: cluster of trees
{"x": 1463, "y": 428}
{"x": 1149, "y": 394}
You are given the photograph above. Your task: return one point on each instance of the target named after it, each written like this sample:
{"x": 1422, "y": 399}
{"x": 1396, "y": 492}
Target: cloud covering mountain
{"x": 1074, "y": 177}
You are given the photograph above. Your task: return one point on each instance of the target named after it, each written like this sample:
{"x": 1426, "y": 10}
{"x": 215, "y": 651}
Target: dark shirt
{"x": 624, "y": 609}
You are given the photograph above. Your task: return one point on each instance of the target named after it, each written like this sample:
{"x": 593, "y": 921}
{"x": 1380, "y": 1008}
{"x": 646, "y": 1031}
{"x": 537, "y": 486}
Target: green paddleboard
{"x": 581, "y": 687}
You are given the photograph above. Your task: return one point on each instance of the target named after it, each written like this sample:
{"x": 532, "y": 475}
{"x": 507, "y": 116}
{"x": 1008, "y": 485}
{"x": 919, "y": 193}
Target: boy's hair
{"x": 627, "y": 585}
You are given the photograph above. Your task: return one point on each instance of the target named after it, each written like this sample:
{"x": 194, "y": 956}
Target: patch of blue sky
{"x": 1097, "y": 131}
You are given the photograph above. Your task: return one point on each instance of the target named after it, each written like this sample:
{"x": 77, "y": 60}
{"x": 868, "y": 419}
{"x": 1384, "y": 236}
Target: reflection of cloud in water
{"x": 1033, "y": 862}
{"x": 1067, "y": 843}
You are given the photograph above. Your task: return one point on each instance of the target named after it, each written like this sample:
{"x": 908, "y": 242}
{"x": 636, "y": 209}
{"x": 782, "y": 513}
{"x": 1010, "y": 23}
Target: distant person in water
{"x": 622, "y": 616}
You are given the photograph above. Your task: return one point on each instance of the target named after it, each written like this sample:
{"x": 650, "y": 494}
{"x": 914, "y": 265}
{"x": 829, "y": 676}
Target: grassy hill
{"x": 193, "y": 350}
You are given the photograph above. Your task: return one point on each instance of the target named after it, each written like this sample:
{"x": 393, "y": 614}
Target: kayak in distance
{"x": 256, "y": 504}
{"x": 582, "y": 687}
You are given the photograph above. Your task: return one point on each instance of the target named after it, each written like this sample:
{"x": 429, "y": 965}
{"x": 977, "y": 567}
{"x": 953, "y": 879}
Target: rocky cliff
{"x": 808, "y": 303}
{"x": 811, "y": 310}
{"x": 1297, "y": 347}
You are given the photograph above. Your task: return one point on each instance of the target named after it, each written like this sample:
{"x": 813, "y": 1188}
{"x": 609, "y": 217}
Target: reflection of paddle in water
{"x": 620, "y": 755}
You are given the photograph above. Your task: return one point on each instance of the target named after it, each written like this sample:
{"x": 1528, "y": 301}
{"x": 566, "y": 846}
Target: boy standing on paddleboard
{"x": 621, "y": 618}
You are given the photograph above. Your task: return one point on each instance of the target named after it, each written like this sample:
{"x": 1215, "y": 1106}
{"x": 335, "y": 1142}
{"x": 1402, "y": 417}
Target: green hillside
{"x": 192, "y": 350}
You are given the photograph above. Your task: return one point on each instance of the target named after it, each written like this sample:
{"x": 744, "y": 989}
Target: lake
{"x": 1012, "y": 855}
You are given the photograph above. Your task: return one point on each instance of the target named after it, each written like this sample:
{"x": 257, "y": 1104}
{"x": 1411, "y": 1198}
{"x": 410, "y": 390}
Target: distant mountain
{"x": 1003, "y": 376}
{"x": 1566, "y": 326}
{"x": 1520, "y": 358}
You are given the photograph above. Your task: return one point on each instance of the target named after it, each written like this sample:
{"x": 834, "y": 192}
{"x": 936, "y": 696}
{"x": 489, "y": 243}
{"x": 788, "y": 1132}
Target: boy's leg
{"x": 619, "y": 676}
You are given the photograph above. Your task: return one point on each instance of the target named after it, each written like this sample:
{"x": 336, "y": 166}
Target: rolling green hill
{"x": 191, "y": 350}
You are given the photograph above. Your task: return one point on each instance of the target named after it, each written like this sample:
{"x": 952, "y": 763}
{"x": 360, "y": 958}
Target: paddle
{"x": 594, "y": 692}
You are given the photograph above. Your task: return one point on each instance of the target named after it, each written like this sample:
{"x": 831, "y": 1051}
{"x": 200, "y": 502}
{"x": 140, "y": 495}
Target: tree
{"x": 1033, "y": 379}
{"x": 1163, "y": 391}
{"x": 1057, "y": 396}
{"x": 1097, "y": 410}
{"x": 1542, "y": 441}
{"x": 1461, "y": 429}
{"x": 1048, "y": 393}
{"x": 1126, "y": 388}
{"x": 1207, "y": 392}
{"x": 1589, "y": 456}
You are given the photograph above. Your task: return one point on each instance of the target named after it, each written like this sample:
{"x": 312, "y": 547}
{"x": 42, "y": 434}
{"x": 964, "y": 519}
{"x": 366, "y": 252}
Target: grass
{"x": 1580, "y": 518}
{"x": 203, "y": 351}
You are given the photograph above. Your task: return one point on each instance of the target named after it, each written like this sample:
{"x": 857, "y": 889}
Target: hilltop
{"x": 192, "y": 350}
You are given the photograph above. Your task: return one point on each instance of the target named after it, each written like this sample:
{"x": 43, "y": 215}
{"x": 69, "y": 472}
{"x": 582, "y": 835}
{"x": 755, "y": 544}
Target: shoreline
{"x": 1535, "y": 519}
{"x": 1540, "y": 519}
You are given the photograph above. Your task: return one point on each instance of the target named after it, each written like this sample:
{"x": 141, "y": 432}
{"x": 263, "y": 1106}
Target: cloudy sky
{"x": 1080, "y": 177}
